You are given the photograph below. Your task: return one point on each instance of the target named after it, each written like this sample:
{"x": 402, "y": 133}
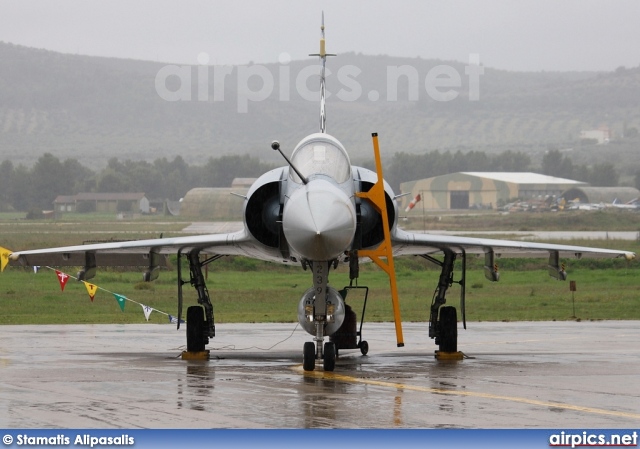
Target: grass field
{"x": 245, "y": 290}
{"x": 271, "y": 294}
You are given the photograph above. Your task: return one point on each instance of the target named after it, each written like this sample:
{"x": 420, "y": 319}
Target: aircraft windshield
{"x": 321, "y": 157}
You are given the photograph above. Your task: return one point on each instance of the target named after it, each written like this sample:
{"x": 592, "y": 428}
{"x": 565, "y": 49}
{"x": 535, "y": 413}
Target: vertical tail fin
{"x": 323, "y": 55}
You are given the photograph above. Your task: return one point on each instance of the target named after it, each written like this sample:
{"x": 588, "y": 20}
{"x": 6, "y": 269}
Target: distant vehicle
{"x": 634, "y": 204}
{"x": 577, "y": 205}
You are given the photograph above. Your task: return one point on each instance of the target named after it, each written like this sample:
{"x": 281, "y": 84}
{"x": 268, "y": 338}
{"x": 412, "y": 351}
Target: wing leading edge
{"x": 137, "y": 252}
{"x": 407, "y": 243}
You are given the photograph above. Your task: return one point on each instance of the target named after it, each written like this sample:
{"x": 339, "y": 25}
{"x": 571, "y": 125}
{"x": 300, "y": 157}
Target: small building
{"x": 102, "y": 202}
{"x": 465, "y": 190}
{"x": 64, "y": 203}
{"x": 601, "y": 135}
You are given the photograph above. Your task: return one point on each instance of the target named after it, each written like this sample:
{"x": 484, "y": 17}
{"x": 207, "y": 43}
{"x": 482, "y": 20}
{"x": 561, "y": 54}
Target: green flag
{"x": 121, "y": 300}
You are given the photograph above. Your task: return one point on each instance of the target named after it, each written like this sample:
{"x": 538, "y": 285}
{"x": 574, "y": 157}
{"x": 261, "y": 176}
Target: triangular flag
{"x": 36, "y": 268}
{"x": 121, "y": 300}
{"x": 174, "y": 319}
{"x": 4, "y": 258}
{"x": 63, "y": 278}
{"x": 91, "y": 289}
{"x": 147, "y": 311}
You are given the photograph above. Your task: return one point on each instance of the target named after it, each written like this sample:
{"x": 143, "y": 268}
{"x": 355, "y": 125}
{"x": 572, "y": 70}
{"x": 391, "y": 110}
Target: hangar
{"x": 102, "y": 202}
{"x": 464, "y": 190}
{"x": 602, "y": 194}
{"x": 216, "y": 204}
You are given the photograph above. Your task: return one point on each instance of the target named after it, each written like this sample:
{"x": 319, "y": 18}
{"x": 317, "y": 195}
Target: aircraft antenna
{"x": 323, "y": 55}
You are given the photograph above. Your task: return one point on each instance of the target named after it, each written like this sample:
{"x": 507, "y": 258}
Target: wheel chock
{"x": 441, "y": 355}
{"x": 195, "y": 355}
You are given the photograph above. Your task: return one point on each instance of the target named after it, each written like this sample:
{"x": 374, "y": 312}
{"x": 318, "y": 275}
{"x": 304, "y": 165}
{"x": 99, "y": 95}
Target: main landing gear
{"x": 443, "y": 320}
{"x": 200, "y": 320}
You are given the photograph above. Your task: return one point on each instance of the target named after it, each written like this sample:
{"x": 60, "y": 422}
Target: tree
{"x": 221, "y": 172}
{"x": 21, "y": 190}
{"x": 509, "y": 161}
{"x": 405, "y": 167}
{"x": 631, "y": 133}
{"x": 600, "y": 175}
{"x": 49, "y": 178}
{"x": 604, "y": 175}
{"x": 6, "y": 185}
{"x": 111, "y": 181}
{"x": 555, "y": 164}
{"x": 79, "y": 175}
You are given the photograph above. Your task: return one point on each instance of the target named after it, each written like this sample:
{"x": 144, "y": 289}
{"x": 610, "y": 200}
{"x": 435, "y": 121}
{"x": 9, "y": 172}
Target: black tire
{"x": 329, "y": 362}
{"x": 448, "y": 329}
{"x": 309, "y": 356}
{"x": 195, "y": 329}
{"x": 364, "y": 347}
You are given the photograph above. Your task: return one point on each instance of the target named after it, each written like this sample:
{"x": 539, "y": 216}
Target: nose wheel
{"x": 329, "y": 360}
{"x": 328, "y": 356}
{"x": 309, "y": 356}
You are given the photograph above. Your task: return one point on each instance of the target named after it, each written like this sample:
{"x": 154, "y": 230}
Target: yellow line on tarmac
{"x": 401, "y": 386}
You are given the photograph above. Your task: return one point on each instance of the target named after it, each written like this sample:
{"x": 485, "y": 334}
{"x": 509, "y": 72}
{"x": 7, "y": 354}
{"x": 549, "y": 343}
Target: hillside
{"x": 94, "y": 108}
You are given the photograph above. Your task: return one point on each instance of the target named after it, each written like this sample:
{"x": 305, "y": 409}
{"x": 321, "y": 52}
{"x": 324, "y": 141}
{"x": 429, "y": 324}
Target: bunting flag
{"x": 63, "y": 278}
{"x": 147, "y": 311}
{"x": 121, "y": 300}
{"x": 36, "y": 268}
{"x": 91, "y": 289}
{"x": 174, "y": 319}
{"x": 4, "y": 258}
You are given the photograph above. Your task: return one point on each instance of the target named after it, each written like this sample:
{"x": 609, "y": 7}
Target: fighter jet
{"x": 317, "y": 212}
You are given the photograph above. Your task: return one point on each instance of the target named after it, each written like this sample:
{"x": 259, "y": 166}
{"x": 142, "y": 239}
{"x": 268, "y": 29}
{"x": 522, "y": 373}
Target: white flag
{"x": 147, "y": 311}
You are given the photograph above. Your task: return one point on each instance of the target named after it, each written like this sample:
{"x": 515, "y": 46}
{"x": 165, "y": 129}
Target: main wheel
{"x": 448, "y": 341}
{"x": 195, "y": 329}
{"x": 329, "y": 362}
{"x": 309, "y": 356}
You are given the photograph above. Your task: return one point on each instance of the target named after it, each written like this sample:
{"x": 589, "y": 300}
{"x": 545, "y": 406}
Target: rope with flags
{"x": 92, "y": 289}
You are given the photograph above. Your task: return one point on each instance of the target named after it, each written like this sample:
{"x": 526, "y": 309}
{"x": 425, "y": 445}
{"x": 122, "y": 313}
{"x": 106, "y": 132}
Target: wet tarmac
{"x": 518, "y": 375}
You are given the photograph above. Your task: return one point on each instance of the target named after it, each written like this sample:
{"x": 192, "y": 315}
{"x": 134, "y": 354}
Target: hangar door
{"x": 459, "y": 199}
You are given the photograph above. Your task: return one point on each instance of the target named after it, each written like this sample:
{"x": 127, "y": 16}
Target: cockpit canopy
{"x": 321, "y": 154}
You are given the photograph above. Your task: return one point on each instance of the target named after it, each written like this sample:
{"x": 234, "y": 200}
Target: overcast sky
{"x": 512, "y": 35}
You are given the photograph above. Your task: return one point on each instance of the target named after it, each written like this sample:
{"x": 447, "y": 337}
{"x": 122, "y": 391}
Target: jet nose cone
{"x": 319, "y": 221}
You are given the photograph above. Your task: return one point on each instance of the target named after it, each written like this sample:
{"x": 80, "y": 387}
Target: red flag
{"x": 63, "y": 278}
